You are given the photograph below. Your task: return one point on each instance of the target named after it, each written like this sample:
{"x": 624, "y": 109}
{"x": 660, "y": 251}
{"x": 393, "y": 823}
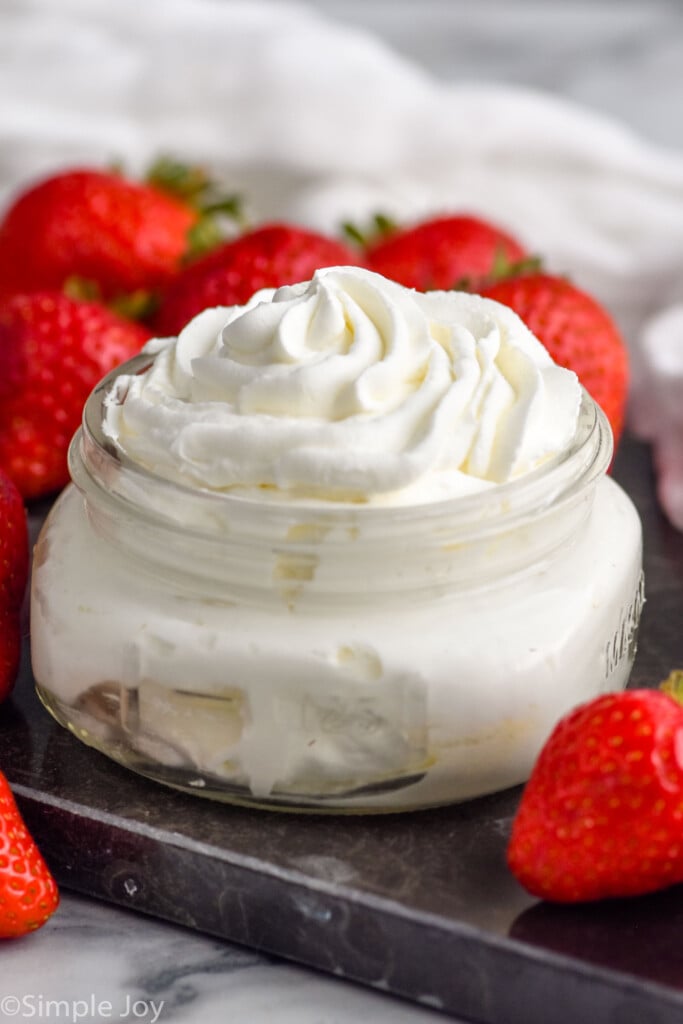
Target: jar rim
{"x": 564, "y": 474}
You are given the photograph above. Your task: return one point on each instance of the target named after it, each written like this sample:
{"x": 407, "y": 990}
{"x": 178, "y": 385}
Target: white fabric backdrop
{"x": 319, "y": 122}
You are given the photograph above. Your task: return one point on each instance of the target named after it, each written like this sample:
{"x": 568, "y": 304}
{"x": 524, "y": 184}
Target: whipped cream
{"x": 348, "y": 387}
{"x": 352, "y": 705}
{"x": 323, "y": 652}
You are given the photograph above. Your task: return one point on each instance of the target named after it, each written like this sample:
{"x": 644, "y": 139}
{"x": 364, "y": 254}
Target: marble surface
{"x": 93, "y": 962}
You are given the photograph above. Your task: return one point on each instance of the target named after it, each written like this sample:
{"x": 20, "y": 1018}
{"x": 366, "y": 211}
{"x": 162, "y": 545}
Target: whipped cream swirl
{"x": 347, "y": 388}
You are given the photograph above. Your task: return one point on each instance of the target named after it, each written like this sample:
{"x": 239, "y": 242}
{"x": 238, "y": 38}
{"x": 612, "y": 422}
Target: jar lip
{"x": 575, "y": 467}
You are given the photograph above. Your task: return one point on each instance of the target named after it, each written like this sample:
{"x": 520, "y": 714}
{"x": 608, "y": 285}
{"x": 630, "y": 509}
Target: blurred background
{"x": 620, "y": 57}
{"x": 559, "y": 119}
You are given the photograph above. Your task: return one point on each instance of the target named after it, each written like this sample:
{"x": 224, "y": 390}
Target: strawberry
{"x": 13, "y": 578}
{"x": 578, "y": 333}
{"x": 602, "y": 813}
{"x": 266, "y": 257}
{"x": 121, "y": 236}
{"x": 445, "y": 252}
{"x": 53, "y": 351}
{"x": 28, "y": 892}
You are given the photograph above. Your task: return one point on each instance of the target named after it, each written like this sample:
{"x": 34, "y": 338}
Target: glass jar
{"x": 329, "y": 657}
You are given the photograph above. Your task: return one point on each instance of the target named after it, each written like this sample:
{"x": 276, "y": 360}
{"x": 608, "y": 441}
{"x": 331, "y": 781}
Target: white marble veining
{"x": 94, "y": 962}
{"x": 620, "y": 57}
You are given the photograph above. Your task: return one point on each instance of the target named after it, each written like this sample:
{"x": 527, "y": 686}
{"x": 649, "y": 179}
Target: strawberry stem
{"x": 380, "y": 226}
{"x": 673, "y": 685}
{"x": 81, "y": 289}
{"x": 178, "y": 179}
{"x": 194, "y": 186}
{"x": 503, "y": 268}
{"x": 137, "y": 305}
{"x": 353, "y": 233}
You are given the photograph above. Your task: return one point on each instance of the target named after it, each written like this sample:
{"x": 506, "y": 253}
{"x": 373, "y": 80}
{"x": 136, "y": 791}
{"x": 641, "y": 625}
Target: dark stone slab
{"x": 421, "y": 905}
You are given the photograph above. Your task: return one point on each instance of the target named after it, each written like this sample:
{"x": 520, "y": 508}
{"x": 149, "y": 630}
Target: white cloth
{"x": 318, "y": 122}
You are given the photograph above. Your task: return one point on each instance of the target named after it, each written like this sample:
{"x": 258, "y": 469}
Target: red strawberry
{"x": 446, "y": 252}
{"x": 28, "y": 893}
{"x": 13, "y": 577}
{"x": 578, "y": 333}
{"x": 267, "y": 257}
{"x": 120, "y": 235}
{"x": 53, "y": 351}
{"x": 602, "y": 814}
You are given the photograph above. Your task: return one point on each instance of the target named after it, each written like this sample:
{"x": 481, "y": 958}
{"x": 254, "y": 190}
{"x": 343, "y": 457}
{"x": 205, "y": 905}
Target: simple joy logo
{"x": 74, "y": 1011}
